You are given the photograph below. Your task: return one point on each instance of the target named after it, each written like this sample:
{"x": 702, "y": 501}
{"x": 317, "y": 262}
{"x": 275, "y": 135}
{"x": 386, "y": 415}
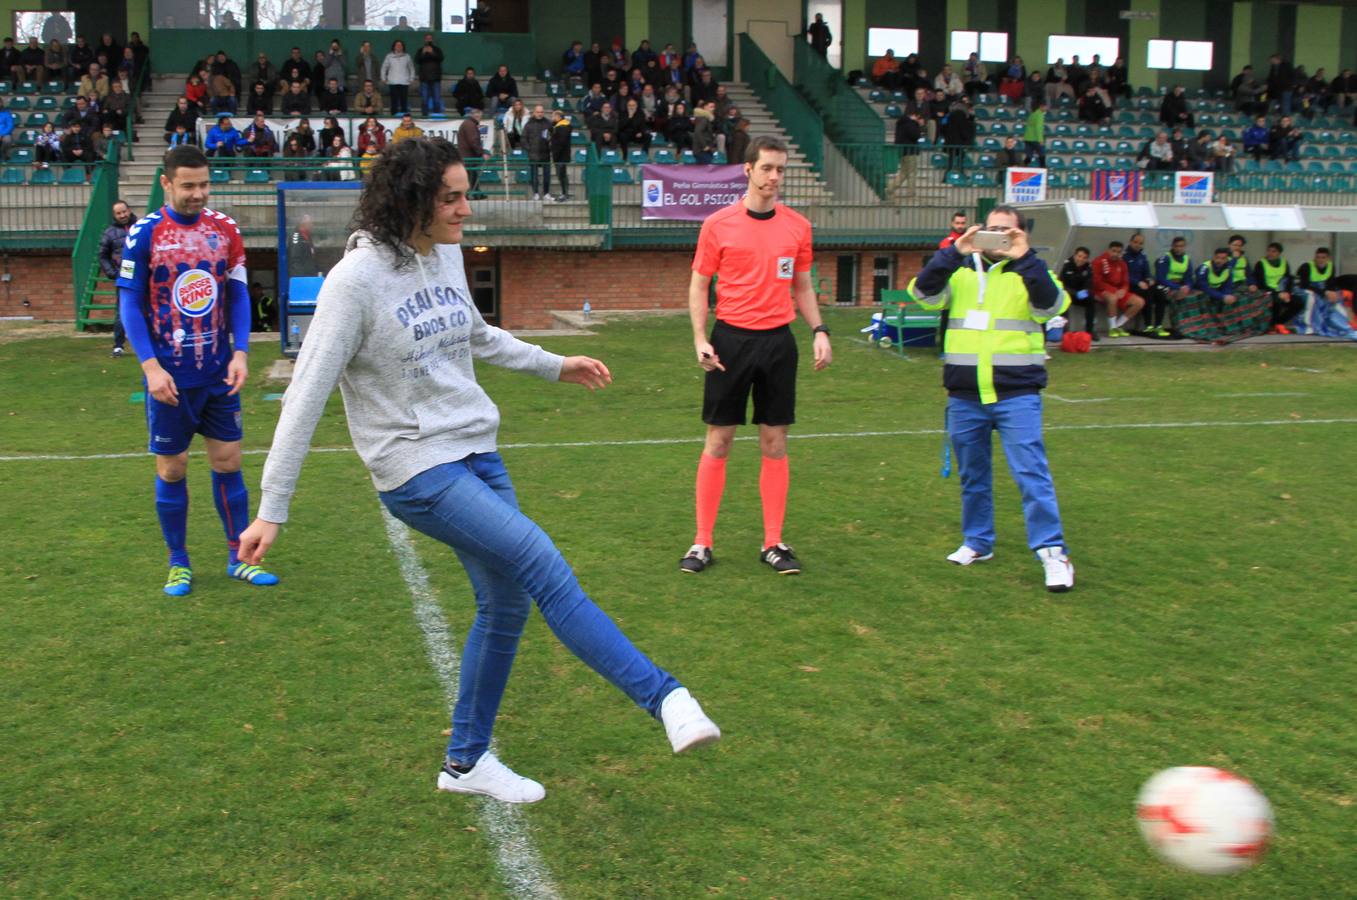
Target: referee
{"x": 760, "y": 252}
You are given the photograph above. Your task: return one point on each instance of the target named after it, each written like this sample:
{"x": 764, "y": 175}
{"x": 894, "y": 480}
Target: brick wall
{"x": 42, "y": 279}
{"x": 534, "y": 282}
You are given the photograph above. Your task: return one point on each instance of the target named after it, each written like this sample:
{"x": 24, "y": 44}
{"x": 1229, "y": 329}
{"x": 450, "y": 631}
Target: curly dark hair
{"x": 401, "y": 190}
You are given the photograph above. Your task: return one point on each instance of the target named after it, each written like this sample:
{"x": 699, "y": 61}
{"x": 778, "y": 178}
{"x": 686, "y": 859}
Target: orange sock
{"x": 774, "y": 478}
{"x": 711, "y": 483}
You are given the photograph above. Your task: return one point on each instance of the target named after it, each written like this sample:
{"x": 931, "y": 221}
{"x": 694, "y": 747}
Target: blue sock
{"x": 171, "y": 505}
{"x": 233, "y": 505}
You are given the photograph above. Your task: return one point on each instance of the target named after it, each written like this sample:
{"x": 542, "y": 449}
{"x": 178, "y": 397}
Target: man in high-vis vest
{"x": 1173, "y": 282}
{"x": 1216, "y": 279}
{"x": 1317, "y": 276}
{"x": 1241, "y": 274}
{"x": 1272, "y": 274}
{"x": 994, "y": 371}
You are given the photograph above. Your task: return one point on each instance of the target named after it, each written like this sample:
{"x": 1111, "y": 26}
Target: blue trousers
{"x": 1018, "y": 421}
{"x": 470, "y": 506}
{"x": 430, "y": 97}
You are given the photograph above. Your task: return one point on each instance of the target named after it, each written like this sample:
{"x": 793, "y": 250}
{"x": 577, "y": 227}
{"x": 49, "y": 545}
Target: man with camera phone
{"x": 998, "y": 294}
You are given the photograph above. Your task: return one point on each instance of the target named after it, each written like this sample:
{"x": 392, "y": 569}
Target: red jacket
{"x": 1109, "y": 275}
{"x": 950, "y": 239}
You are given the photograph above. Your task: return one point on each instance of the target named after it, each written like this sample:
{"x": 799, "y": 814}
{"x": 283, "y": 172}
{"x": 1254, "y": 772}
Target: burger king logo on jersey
{"x": 195, "y": 293}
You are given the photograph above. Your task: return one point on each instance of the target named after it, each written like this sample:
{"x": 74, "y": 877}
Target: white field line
{"x": 524, "y": 871}
{"x": 652, "y": 442}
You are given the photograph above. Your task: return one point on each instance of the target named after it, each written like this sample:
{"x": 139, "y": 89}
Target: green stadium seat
{"x": 491, "y": 176}
{"x": 219, "y": 176}
{"x": 578, "y": 139}
{"x": 17, "y": 104}
{"x": 1055, "y": 179}
{"x": 6, "y": 86}
{"x": 518, "y": 156}
{"x": 636, "y": 156}
{"x": 622, "y": 175}
{"x": 664, "y": 156}
{"x": 562, "y": 104}
{"x": 1081, "y": 146}
{"x": 26, "y": 138}
{"x": 991, "y": 144}
{"x": 1337, "y": 168}
{"x": 25, "y": 87}
{"x": 1145, "y": 91}
{"x": 46, "y": 104}
{"x": 1056, "y": 163}
{"x": 718, "y": 158}
{"x": 1124, "y": 162}
{"x": 659, "y": 140}
{"x": 36, "y": 120}
{"x": 1126, "y": 131}
{"x": 894, "y": 111}
{"x": 1102, "y": 162}
{"x": 999, "y": 128}
{"x": 899, "y": 95}
{"x": 73, "y": 175}
{"x": 1125, "y": 147}
{"x": 877, "y": 96}
{"x": 986, "y": 160}
{"x": 42, "y": 176}
{"x": 257, "y": 176}
{"x": 1084, "y": 130}
{"x": 982, "y": 179}
{"x": 22, "y": 156}
{"x": 554, "y": 89}
{"x": 1004, "y": 114}
{"x": 1059, "y": 146}
{"x": 1332, "y": 151}
{"x": 578, "y": 90}
{"x": 581, "y": 155}
{"x": 1077, "y": 180}
{"x": 956, "y": 179}
{"x": 1063, "y": 130}
{"x": 1102, "y": 146}
{"x": 1079, "y": 162}
{"x": 523, "y": 176}
{"x": 11, "y": 175}
{"x": 981, "y": 128}
{"x": 687, "y": 158}
{"x": 937, "y": 160}
{"x": 54, "y": 87}
{"x": 68, "y": 103}
{"x": 1310, "y": 151}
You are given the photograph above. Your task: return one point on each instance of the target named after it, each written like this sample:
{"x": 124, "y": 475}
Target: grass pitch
{"x": 895, "y": 726}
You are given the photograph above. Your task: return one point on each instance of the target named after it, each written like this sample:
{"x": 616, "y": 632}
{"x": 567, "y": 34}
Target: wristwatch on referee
{"x": 820, "y": 329}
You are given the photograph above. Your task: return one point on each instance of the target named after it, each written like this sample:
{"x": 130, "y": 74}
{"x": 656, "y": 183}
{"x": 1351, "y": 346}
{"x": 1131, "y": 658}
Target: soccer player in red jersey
{"x": 760, "y": 252}
{"x": 185, "y": 304}
{"x": 958, "y": 229}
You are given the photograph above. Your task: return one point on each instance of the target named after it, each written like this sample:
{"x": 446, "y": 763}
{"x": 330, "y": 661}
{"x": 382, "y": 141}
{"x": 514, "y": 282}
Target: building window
{"x": 991, "y": 45}
{"x": 903, "y": 41}
{"x": 1192, "y": 55}
{"x": 226, "y": 15}
{"x": 1068, "y": 46}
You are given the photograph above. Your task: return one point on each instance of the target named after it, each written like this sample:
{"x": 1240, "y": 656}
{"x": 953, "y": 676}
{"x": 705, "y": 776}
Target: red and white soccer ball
{"x": 1204, "y": 819}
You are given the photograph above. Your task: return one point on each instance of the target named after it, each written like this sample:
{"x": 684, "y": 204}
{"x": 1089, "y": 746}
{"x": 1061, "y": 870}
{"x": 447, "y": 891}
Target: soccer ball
{"x": 1203, "y": 819}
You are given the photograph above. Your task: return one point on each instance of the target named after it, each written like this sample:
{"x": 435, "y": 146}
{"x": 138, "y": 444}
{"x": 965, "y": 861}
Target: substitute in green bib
{"x": 1173, "y": 282}
{"x": 994, "y": 371}
{"x": 1272, "y": 274}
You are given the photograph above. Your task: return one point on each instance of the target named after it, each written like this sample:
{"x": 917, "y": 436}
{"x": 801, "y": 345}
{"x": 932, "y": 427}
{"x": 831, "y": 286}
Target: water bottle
{"x": 294, "y": 335}
{"x": 586, "y": 307}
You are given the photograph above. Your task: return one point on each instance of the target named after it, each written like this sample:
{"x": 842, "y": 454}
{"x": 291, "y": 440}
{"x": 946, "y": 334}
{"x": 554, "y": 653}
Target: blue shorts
{"x": 210, "y": 410}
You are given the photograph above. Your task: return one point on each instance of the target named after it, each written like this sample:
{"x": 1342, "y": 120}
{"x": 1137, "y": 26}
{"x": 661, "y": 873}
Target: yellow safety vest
{"x": 1011, "y": 335}
{"x": 1273, "y": 274}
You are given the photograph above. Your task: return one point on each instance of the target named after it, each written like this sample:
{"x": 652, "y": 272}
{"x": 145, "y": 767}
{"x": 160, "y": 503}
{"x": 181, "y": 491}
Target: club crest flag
{"x": 1024, "y": 185}
{"x": 1117, "y": 184}
{"x": 1193, "y": 188}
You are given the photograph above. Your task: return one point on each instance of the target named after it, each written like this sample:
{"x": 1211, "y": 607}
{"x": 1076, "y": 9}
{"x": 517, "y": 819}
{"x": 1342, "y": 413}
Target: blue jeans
{"x": 470, "y": 506}
{"x": 1018, "y": 421}
{"x": 430, "y": 97}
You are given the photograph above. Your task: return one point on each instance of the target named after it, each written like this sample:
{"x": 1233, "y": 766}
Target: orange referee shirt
{"x": 754, "y": 261}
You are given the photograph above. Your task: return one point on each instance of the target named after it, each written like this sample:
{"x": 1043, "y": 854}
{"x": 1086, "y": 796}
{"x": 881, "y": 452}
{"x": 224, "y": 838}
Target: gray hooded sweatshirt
{"x": 400, "y": 344}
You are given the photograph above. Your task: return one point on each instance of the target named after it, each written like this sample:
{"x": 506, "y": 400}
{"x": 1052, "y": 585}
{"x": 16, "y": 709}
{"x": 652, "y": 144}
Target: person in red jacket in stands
{"x": 1112, "y": 286}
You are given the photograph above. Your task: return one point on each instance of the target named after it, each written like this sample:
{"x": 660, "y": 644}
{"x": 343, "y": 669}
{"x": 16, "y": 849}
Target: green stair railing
{"x": 847, "y": 117}
{"x": 91, "y": 299}
{"x": 791, "y": 109}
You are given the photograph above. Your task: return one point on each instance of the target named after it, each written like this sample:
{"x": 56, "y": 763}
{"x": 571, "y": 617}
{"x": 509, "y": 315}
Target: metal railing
{"x": 98, "y": 215}
{"x": 43, "y": 216}
{"x": 792, "y": 110}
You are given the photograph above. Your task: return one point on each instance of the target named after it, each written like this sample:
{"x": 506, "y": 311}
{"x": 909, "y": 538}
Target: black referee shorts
{"x": 763, "y": 362}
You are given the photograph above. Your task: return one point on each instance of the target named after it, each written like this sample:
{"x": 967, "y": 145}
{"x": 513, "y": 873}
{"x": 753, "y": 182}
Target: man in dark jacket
{"x": 110, "y": 259}
{"x": 1173, "y": 112}
{"x": 1076, "y": 276}
{"x": 468, "y": 91}
{"x": 537, "y": 144}
{"x": 1281, "y": 82}
{"x": 429, "y": 65}
{"x": 502, "y": 90}
{"x": 820, "y": 36}
{"x": 470, "y": 146}
{"x": 958, "y": 132}
{"x": 294, "y": 68}
{"x": 76, "y": 147}
{"x": 560, "y": 151}
{"x": 296, "y": 102}
{"x": 221, "y": 65}
{"x": 184, "y": 113}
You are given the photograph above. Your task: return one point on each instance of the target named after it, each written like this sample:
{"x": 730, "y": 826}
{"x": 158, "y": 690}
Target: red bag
{"x": 1076, "y": 342}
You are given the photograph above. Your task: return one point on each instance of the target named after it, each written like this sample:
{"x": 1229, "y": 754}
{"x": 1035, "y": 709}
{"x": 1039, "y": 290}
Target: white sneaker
{"x": 964, "y": 556}
{"x": 537, "y": 196}
{"x": 491, "y": 778}
{"x": 1116, "y": 321}
{"x": 1059, "y": 569}
{"x": 686, "y": 724}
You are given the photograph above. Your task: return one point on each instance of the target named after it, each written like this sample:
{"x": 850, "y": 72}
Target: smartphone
{"x": 991, "y": 240}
